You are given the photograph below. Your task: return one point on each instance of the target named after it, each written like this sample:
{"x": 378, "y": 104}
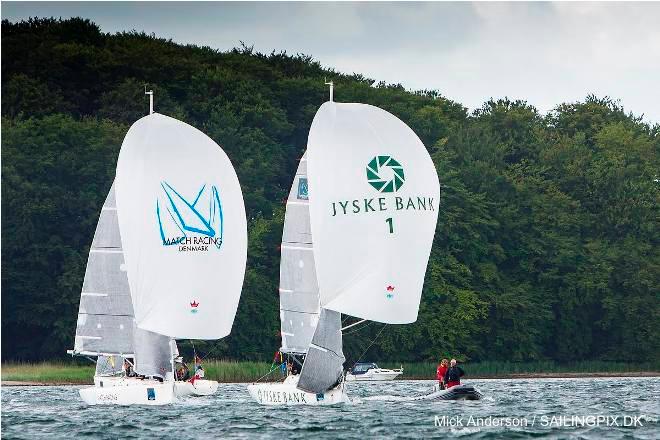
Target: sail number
{"x": 390, "y": 224}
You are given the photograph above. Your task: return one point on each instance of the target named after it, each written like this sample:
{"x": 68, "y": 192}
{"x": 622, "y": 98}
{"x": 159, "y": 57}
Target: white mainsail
{"x": 105, "y": 315}
{"x": 374, "y": 195}
{"x": 299, "y": 292}
{"x": 183, "y": 228}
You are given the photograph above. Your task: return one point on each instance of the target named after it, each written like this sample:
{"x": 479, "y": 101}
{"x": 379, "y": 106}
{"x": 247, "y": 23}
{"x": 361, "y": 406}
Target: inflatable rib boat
{"x": 459, "y": 392}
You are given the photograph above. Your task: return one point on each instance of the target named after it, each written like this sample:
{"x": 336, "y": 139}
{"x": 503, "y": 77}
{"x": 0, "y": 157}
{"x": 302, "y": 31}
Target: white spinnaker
{"x": 368, "y": 266}
{"x": 177, "y": 196}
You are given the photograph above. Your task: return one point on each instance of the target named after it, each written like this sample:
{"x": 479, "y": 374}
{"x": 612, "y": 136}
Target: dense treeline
{"x": 546, "y": 245}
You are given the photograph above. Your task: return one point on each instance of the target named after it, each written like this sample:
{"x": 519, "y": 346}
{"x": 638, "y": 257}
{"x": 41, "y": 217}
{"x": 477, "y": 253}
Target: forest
{"x": 547, "y": 242}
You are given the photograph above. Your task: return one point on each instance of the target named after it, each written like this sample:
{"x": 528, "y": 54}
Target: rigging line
{"x": 208, "y": 353}
{"x": 272, "y": 368}
{"x": 358, "y": 329}
{"x": 361, "y": 321}
{"x": 372, "y": 343}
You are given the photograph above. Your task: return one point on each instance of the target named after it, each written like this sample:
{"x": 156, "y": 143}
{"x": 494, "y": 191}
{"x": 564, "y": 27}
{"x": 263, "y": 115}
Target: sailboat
{"x": 167, "y": 262}
{"x": 358, "y": 230}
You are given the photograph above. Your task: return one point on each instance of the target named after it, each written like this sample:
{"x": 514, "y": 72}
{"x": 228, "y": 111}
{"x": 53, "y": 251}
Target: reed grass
{"x": 236, "y": 371}
{"x": 48, "y": 372}
{"x": 247, "y": 371}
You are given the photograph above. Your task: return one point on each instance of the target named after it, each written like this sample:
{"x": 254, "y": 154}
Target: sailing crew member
{"x": 453, "y": 375}
{"x": 443, "y": 366}
{"x": 199, "y": 370}
{"x": 182, "y": 372}
{"x": 128, "y": 369}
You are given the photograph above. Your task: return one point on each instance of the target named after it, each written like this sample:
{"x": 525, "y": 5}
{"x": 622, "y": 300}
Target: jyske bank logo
{"x": 385, "y": 174}
{"x": 193, "y": 224}
{"x": 384, "y": 179}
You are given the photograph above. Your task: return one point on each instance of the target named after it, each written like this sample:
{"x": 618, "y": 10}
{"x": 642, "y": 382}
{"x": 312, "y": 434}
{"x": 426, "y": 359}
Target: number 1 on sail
{"x": 389, "y": 222}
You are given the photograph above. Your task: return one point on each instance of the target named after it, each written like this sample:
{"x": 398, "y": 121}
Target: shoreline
{"x": 20, "y": 383}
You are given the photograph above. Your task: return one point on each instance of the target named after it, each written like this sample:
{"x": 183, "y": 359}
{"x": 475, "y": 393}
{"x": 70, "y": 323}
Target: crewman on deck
{"x": 182, "y": 371}
{"x": 443, "y": 366}
{"x": 453, "y": 374}
{"x": 199, "y": 370}
{"x": 128, "y": 369}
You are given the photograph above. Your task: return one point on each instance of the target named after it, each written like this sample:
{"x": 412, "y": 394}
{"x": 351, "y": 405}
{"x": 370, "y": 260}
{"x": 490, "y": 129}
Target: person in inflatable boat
{"x": 453, "y": 375}
{"x": 443, "y": 366}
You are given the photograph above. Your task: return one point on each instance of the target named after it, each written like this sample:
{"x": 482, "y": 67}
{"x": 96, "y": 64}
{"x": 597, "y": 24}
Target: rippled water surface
{"x": 57, "y": 412}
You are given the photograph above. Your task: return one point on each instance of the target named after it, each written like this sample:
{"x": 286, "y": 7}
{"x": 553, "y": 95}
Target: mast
{"x": 332, "y": 89}
{"x": 151, "y": 99}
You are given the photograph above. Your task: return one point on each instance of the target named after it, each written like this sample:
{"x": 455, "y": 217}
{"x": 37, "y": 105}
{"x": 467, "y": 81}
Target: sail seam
{"x": 300, "y": 248}
{"x": 103, "y": 314}
{"x": 299, "y": 311}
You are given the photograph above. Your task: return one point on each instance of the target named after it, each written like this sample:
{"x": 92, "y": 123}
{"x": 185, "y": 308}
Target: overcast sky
{"x": 545, "y": 53}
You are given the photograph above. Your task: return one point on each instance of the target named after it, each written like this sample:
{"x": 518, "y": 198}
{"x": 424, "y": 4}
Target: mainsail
{"x": 105, "y": 314}
{"x": 299, "y": 297}
{"x": 374, "y": 195}
{"x": 183, "y": 227}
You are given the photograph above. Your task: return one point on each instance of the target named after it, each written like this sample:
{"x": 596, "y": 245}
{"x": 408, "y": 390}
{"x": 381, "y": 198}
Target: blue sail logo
{"x": 192, "y": 226}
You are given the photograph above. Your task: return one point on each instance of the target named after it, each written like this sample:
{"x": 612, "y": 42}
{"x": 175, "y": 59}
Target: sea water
{"x": 554, "y": 408}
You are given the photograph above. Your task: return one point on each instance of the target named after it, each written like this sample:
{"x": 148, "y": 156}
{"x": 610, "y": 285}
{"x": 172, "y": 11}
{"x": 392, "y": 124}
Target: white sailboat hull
{"x": 287, "y": 394}
{"x": 129, "y": 392}
{"x": 201, "y": 387}
{"x": 376, "y": 374}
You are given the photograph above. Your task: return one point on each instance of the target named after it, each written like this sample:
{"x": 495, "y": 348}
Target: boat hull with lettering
{"x": 286, "y": 394}
{"x": 130, "y": 392}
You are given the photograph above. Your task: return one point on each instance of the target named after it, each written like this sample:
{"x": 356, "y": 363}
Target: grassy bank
{"x": 245, "y": 371}
{"x": 48, "y": 372}
{"x": 75, "y": 373}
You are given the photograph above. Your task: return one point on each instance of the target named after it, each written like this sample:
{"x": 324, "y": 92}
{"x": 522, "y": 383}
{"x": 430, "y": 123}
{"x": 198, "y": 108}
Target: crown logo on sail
{"x": 375, "y": 174}
{"x": 193, "y": 306}
{"x": 390, "y": 292}
{"x": 194, "y": 303}
{"x": 192, "y": 226}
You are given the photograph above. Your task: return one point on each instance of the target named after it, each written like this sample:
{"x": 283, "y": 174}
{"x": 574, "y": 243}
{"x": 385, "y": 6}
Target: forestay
{"x": 374, "y": 196}
{"x": 299, "y": 297}
{"x": 105, "y": 315}
{"x": 183, "y": 226}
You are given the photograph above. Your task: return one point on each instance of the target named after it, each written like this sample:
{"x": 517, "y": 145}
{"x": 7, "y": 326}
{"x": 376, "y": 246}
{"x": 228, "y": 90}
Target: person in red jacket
{"x": 443, "y": 366}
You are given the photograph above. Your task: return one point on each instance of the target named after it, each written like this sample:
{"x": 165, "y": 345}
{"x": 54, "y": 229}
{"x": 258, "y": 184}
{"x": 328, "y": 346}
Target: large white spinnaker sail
{"x": 105, "y": 315}
{"x": 299, "y": 291}
{"x": 183, "y": 228}
{"x": 374, "y": 195}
